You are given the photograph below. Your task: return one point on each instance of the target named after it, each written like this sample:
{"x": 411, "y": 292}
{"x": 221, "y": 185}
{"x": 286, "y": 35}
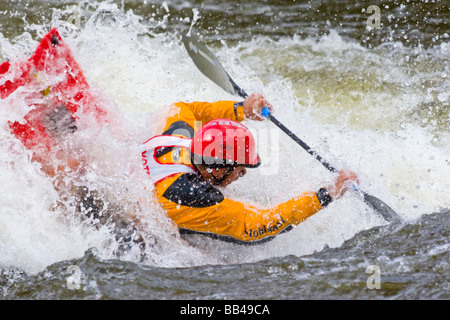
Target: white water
{"x": 140, "y": 76}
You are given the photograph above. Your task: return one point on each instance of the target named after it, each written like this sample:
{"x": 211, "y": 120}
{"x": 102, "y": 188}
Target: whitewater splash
{"x": 139, "y": 73}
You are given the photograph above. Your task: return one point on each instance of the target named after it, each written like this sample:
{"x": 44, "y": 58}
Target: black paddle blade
{"x": 207, "y": 63}
{"x": 382, "y": 208}
{"x": 210, "y": 66}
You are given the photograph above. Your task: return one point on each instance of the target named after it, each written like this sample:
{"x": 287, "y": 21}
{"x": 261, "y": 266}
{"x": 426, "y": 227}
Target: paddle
{"x": 211, "y": 67}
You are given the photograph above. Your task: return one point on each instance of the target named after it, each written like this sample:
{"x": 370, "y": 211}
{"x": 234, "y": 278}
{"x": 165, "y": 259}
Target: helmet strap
{"x": 218, "y": 182}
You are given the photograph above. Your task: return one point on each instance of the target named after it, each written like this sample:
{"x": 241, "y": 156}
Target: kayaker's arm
{"x": 197, "y": 207}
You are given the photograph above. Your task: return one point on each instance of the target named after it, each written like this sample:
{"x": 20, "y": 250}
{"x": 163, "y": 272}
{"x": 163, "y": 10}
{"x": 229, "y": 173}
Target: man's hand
{"x": 345, "y": 181}
{"x": 253, "y": 106}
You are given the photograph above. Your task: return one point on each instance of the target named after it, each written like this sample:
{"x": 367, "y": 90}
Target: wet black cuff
{"x": 236, "y": 105}
{"x": 324, "y": 197}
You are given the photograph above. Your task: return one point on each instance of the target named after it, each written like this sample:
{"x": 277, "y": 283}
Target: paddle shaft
{"x": 210, "y": 66}
{"x": 301, "y": 143}
{"x": 275, "y": 121}
{"x": 379, "y": 206}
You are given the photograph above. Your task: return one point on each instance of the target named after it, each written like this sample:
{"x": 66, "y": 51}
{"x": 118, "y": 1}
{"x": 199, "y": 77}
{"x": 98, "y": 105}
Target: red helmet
{"x": 224, "y": 142}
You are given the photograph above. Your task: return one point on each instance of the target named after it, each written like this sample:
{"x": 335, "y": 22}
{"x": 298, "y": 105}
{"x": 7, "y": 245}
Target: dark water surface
{"x": 410, "y": 22}
{"x": 413, "y": 261}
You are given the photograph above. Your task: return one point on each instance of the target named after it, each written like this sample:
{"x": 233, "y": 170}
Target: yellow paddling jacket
{"x": 198, "y": 207}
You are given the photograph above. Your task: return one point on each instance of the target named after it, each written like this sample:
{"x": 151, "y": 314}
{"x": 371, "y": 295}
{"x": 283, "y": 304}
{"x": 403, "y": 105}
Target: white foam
{"x": 141, "y": 73}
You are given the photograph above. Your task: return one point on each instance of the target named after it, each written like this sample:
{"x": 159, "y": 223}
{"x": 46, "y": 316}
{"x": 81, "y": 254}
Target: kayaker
{"x": 203, "y": 148}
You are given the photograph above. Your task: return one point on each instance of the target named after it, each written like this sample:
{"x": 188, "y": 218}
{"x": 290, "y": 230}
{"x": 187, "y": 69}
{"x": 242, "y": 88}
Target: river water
{"x": 367, "y": 87}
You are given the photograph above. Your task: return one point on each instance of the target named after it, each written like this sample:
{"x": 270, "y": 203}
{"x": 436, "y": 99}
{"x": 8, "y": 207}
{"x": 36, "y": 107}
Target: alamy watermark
{"x": 374, "y": 21}
{"x": 267, "y": 146}
{"x": 73, "y": 281}
{"x": 75, "y": 17}
{"x": 374, "y": 280}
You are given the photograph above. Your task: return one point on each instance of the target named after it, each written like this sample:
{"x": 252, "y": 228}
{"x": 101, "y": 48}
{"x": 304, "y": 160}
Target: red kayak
{"x": 55, "y": 89}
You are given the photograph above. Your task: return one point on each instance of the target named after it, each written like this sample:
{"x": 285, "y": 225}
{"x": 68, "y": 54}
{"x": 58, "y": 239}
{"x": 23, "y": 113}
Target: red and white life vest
{"x": 157, "y": 170}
